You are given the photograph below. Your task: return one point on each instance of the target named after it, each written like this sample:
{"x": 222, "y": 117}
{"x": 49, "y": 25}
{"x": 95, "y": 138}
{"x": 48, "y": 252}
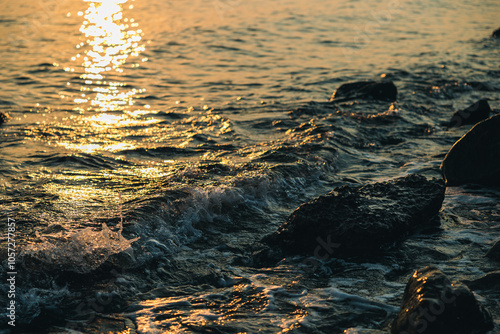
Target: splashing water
{"x": 82, "y": 251}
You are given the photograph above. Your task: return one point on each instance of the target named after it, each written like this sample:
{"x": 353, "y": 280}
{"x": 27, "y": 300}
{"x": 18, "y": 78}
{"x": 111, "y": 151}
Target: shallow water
{"x": 202, "y": 125}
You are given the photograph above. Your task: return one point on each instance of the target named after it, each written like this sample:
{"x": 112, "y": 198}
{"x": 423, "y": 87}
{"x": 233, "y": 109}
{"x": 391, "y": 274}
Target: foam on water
{"x": 185, "y": 220}
{"x": 81, "y": 251}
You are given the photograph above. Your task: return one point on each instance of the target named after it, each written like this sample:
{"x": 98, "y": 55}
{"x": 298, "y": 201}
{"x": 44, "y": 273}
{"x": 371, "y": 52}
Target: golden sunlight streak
{"x": 104, "y": 129}
{"x": 110, "y": 40}
{"x": 90, "y": 148}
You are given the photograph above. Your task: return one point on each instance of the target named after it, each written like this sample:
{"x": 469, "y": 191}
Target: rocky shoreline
{"x": 358, "y": 219}
{"x": 355, "y": 220}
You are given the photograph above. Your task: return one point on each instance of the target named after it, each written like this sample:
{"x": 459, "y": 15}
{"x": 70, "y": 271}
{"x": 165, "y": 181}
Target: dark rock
{"x": 433, "y": 305}
{"x": 3, "y": 118}
{"x": 377, "y": 90}
{"x": 481, "y": 86}
{"x": 475, "y": 158}
{"x": 494, "y": 252}
{"x": 352, "y": 219}
{"x": 490, "y": 281}
{"x": 475, "y": 113}
{"x": 496, "y": 33}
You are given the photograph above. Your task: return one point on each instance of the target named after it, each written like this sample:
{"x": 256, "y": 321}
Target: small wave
{"x": 44, "y": 68}
{"x": 223, "y": 47}
{"x": 82, "y": 251}
{"x": 357, "y": 301}
{"x": 231, "y": 200}
{"x": 161, "y": 151}
{"x": 24, "y": 80}
{"x": 83, "y": 159}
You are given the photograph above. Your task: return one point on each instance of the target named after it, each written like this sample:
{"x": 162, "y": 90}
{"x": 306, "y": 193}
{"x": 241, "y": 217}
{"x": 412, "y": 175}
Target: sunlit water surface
{"x": 202, "y": 125}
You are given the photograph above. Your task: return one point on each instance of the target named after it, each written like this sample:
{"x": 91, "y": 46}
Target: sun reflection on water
{"x": 107, "y": 133}
{"x": 109, "y": 47}
{"x": 110, "y": 40}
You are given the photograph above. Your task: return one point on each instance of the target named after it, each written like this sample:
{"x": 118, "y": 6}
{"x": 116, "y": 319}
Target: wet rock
{"x": 377, "y": 90}
{"x": 496, "y": 33}
{"x": 490, "y": 281}
{"x": 475, "y": 158}
{"x": 432, "y": 304}
{"x": 353, "y": 219}
{"x": 475, "y": 113}
{"x": 481, "y": 86}
{"x": 494, "y": 252}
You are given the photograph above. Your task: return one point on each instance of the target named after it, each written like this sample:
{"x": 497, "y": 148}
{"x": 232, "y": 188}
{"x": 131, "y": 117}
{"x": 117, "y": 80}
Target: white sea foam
{"x": 81, "y": 251}
{"x": 254, "y": 190}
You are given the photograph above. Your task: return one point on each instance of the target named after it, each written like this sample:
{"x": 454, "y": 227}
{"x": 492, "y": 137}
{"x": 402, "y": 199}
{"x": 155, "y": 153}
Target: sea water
{"x": 151, "y": 144}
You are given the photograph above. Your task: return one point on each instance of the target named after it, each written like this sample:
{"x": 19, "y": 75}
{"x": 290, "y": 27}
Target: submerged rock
{"x": 475, "y": 158}
{"x": 494, "y": 252}
{"x": 473, "y": 114}
{"x": 496, "y": 33}
{"x": 377, "y": 90}
{"x": 352, "y": 219}
{"x": 432, "y": 304}
{"x": 482, "y": 86}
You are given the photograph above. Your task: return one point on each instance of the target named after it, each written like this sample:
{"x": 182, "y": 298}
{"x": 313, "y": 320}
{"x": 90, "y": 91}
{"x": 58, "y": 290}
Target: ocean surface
{"x": 151, "y": 144}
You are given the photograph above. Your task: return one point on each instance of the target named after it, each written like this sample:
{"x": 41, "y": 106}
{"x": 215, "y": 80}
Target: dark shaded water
{"x": 203, "y": 125}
